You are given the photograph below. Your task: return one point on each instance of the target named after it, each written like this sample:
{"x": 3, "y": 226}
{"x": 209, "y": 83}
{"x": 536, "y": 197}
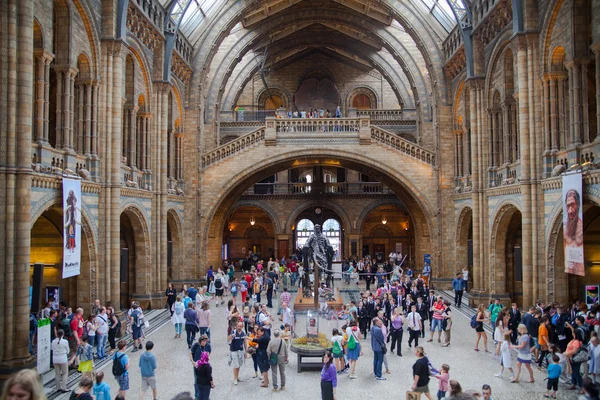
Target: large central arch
{"x": 418, "y": 198}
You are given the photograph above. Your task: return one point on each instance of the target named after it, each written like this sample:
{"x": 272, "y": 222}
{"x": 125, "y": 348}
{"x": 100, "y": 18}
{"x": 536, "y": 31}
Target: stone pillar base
{"x": 11, "y": 366}
{"x": 150, "y": 301}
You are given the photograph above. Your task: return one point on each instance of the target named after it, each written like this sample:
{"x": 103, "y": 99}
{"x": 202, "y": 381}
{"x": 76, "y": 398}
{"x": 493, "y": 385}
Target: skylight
{"x": 442, "y": 11}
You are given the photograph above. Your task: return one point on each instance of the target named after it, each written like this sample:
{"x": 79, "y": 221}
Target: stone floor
{"x": 470, "y": 368}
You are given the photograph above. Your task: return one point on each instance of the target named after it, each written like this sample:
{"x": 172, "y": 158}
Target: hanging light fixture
{"x": 252, "y": 220}
{"x": 384, "y": 220}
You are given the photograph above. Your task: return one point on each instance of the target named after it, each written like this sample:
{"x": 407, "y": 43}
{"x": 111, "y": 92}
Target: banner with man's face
{"x": 573, "y": 224}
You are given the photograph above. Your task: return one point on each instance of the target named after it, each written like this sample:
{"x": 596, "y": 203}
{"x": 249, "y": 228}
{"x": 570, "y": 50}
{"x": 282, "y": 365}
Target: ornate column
{"x": 94, "y": 125}
{"x": 585, "y": 114}
{"x": 525, "y": 178}
{"x": 561, "y": 138}
{"x": 552, "y": 82}
{"x": 79, "y": 116}
{"x": 42, "y": 85}
{"x": 506, "y": 133}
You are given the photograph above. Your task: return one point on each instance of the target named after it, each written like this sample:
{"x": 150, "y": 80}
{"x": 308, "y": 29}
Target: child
{"x": 346, "y": 362}
{"x": 85, "y": 353}
{"x": 287, "y": 334}
{"x": 554, "y": 371}
{"x": 101, "y": 389}
{"x": 338, "y": 350}
{"x": 443, "y": 377}
{"x": 506, "y": 357}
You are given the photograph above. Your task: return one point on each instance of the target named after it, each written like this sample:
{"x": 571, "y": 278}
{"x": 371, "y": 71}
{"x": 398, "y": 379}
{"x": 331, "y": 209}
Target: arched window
{"x": 333, "y": 230}
{"x": 304, "y": 229}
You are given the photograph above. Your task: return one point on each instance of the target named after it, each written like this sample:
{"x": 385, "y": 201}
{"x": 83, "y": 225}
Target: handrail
{"x": 233, "y": 147}
{"x": 310, "y": 125}
{"x": 389, "y": 115}
{"x": 403, "y": 145}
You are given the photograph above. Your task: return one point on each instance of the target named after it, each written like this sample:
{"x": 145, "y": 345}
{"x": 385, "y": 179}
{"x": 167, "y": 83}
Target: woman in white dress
{"x": 499, "y": 332}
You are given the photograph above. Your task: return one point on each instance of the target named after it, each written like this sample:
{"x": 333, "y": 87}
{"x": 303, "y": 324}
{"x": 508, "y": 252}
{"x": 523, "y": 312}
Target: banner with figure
{"x": 71, "y": 227}
{"x": 573, "y": 223}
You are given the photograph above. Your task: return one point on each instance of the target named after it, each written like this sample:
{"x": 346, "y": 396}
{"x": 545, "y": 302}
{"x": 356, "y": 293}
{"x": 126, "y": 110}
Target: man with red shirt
{"x": 437, "y": 318}
{"x": 248, "y": 278}
{"x": 294, "y": 270}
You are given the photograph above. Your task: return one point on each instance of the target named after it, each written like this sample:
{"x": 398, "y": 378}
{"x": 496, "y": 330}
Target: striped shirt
{"x": 285, "y": 297}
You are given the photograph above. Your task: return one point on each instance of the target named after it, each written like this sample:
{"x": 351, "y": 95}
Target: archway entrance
{"x": 135, "y": 276}
{"x": 175, "y": 262}
{"x": 506, "y": 267}
{"x": 331, "y": 226}
{"x": 248, "y": 229}
{"x": 464, "y": 243}
{"x": 568, "y": 287}
{"x": 386, "y": 229}
{"x": 47, "y": 251}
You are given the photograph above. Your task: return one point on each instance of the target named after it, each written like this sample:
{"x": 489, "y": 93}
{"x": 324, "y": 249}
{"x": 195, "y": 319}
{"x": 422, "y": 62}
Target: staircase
{"x": 156, "y": 318}
{"x": 464, "y": 309}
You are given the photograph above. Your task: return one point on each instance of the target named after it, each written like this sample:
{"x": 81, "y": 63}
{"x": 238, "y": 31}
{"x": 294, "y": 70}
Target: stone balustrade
{"x": 403, "y": 145}
{"x": 389, "y": 115}
{"x": 314, "y": 125}
{"x": 233, "y": 147}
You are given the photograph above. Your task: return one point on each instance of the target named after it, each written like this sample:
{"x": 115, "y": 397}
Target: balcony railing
{"x": 245, "y": 115}
{"x": 300, "y": 188}
{"x": 389, "y": 115}
{"x": 312, "y": 125}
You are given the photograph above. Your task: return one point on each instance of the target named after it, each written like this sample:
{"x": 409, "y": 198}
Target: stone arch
{"x": 62, "y": 41}
{"x": 214, "y": 209}
{"x": 497, "y": 263}
{"x": 144, "y": 273}
{"x": 381, "y": 227}
{"x": 263, "y": 206}
{"x": 175, "y": 226}
{"x": 38, "y": 35}
{"x": 557, "y": 59}
{"x": 84, "y": 67}
{"x": 364, "y": 90}
{"x": 92, "y": 33}
{"x": 142, "y": 62}
{"x": 295, "y": 213}
{"x": 463, "y": 227}
{"x": 548, "y": 24}
{"x": 282, "y": 93}
{"x": 496, "y": 61}
{"x": 85, "y": 284}
{"x": 359, "y": 222}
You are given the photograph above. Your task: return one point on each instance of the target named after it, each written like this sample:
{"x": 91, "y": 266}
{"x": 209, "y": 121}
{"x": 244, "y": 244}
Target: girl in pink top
{"x": 443, "y": 377}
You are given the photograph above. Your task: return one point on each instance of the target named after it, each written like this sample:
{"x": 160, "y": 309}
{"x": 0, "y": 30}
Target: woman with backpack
{"x": 338, "y": 349}
{"x": 477, "y": 323}
{"x": 177, "y": 310}
{"x": 353, "y": 346}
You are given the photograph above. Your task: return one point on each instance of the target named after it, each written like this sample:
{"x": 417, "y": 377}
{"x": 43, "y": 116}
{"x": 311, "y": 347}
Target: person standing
{"x": 414, "y": 326}
{"x": 458, "y": 285}
{"x": 378, "y": 346}
{"x": 204, "y": 380}
{"x": 277, "y": 353}
{"x": 465, "y": 278}
{"x": 447, "y": 323}
{"x": 480, "y": 318}
{"x": 237, "y": 349}
{"x": 437, "y": 319}
{"x": 171, "y": 294}
{"x": 114, "y": 328}
{"x": 426, "y": 273}
{"x": 60, "y": 354}
{"x": 201, "y": 346}
{"x": 524, "y": 353}
{"x": 328, "y": 378}
{"x": 494, "y": 310}
{"x": 262, "y": 341}
{"x": 121, "y": 367}
{"x": 191, "y": 324}
{"x": 101, "y": 389}
{"x": 147, "y": 366}
{"x": 396, "y": 330}
{"x": 137, "y": 322}
{"x": 421, "y": 373}
{"x": 353, "y": 347}
{"x": 514, "y": 319}
{"x": 101, "y": 333}
{"x": 83, "y": 391}
{"x": 204, "y": 319}
{"x": 177, "y": 311}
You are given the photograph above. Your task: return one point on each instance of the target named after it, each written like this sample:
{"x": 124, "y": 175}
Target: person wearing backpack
{"x": 120, "y": 368}
{"x": 137, "y": 322}
{"x": 219, "y": 288}
{"x": 177, "y": 316}
{"x": 353, "y": 346}
{"x": 277, "y": 353}
{"x": 338, "y": 350}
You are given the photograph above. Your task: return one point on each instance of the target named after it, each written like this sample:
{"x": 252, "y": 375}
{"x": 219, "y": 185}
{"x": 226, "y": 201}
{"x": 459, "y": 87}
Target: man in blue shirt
{"x": 458, "y": 286}
{"x": 122, "y": 379}
{"x": 147, "y": 366}
{"x": 426, "y": 273}
{"x": 377, "y": 345}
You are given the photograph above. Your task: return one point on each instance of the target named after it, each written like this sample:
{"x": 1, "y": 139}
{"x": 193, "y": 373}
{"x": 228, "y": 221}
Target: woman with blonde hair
{"x": 524, "y": 353}
{"x": 24, "y": 385}
{"x": 481, "y": 318}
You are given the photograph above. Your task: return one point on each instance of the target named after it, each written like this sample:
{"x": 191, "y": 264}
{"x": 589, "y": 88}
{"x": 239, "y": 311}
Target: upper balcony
{"x": 305, "y": 189}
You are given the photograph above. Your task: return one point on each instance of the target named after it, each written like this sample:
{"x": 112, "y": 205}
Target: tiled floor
{"x": 470, "y": 368}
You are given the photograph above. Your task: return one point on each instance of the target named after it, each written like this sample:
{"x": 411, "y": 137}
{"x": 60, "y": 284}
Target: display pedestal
{"x": 306, "y": 353}
{"x": 307, "y": 303}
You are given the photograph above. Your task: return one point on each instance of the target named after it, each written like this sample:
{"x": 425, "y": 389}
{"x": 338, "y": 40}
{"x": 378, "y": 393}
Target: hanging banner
{"x": 43, "y": 346}
{"x": 72, "y": 227}
{"x": 573, "y": 223}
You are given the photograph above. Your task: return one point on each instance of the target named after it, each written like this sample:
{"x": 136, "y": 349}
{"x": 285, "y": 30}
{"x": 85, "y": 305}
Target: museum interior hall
{"x": 142, "y": 141}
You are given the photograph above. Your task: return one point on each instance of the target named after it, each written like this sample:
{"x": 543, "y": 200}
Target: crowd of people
{"x": 561, "y": 341}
